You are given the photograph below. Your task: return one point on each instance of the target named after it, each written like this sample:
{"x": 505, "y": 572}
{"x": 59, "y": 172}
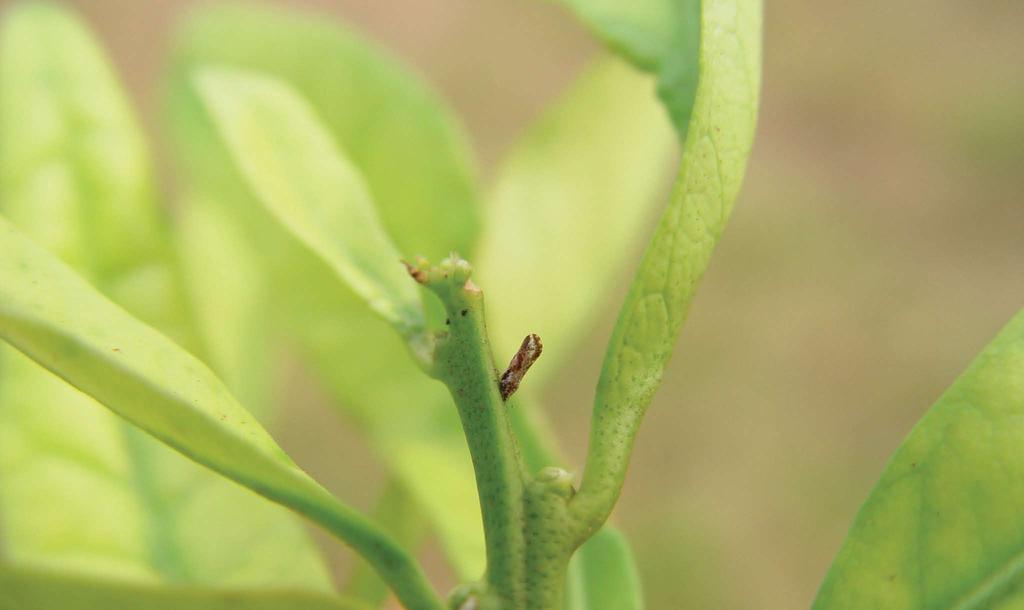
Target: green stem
{"x": 464, "y": 363}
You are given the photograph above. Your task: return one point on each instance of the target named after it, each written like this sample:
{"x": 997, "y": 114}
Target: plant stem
{"x": 464, "y": 363}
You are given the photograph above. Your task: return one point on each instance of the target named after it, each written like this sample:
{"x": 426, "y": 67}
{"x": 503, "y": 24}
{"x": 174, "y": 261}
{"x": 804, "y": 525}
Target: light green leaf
{"x": 659, "y": 36}
{"x": 942, "y": 529}
{"x": 81, "y": 490}
{"x": 603, "y": 574}
{"x": 389, "y": 124}
{"x": 568, "y": 207}
{"x": 84, "y": 492}
{"x": 34, "y": 590}
{"x": 324, "y": 337}
{"x": 71, "y": 155}
{"x": 58, "y": 320}
{"x": 229, "y": 298}
{"x": 408, "y": 146}
{"x": 74, "y": 172}
{"x": 298, "y": 173}
{"x": 715, "y": 153}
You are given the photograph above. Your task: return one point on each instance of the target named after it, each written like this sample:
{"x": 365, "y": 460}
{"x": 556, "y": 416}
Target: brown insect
{"x": 528, "y": 353}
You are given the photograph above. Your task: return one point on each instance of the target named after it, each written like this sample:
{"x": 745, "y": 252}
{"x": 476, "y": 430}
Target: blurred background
{"x": 876, "y": 247}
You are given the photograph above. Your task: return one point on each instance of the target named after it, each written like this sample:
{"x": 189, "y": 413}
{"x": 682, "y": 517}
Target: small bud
{"x": 557, "y": 480}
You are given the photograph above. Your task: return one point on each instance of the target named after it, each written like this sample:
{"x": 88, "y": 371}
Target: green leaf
{"x": 229, "y": 298}
{"x": 408, "y": 146}
{"x": 81, "y": 490}
{"x": 659, "y": 36}
{"x": 715, "y": 153}
{"x": 35, "y": 590}
{"x": 389, "y": 124}
{"x": 641, "y": 31}
{"x": 567, "y": 209}
{"x": 298, "y": 173}
{"x": 942, "y": 528}
{"x": 74, "y": 172}
{"x": 58, "y": 320}
{"x": 320, "y": 333}
{"x": 73, "y": 166}
{"x": 603, "y": 574}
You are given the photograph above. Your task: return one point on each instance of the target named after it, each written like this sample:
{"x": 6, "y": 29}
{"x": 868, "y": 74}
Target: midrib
{"x": 982, "y": 594}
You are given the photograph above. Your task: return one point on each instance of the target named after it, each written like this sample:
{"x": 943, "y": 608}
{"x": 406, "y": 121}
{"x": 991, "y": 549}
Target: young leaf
{"x": 22, "y": 589}
{"x": 567, "y": 207}
{"x": 715, "y": 152}
{"x": 942, "y": 528}
{"x": 81, "y": 490}
{"x": 388, "y": 123}
{"x": 659, "y": 36}
{"x": 298, "y": 173}
{"x": 58, "y": 320}
{"x": 386, "y": 119}
{"x": 315, "y": 307}
{"x": 603, "y": 575}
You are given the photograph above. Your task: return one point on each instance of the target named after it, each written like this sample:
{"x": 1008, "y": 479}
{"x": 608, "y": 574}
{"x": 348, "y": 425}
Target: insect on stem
{"x": 528, "y": 353}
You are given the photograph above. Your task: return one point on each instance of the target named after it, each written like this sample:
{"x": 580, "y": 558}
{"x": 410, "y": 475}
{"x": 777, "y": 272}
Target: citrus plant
{"x": 327, "y": 204}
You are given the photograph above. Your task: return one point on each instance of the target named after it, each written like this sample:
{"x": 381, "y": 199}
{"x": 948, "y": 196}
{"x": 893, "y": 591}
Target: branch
{"x": 462, "y": 360}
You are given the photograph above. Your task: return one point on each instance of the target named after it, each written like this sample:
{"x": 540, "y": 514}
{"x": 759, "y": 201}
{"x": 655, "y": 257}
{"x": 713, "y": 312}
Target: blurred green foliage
{"x": 775, "y": 419}
{"x": 257, "y": 307}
